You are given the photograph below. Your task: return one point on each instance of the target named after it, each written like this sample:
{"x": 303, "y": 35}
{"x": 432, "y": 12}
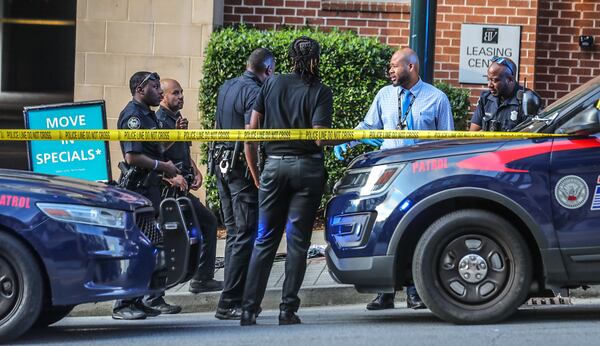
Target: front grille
{"x": 146, "y": 222}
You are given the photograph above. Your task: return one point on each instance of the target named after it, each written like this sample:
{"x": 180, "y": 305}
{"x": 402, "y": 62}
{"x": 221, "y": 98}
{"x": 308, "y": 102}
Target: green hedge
{"x": 354, "y": 67}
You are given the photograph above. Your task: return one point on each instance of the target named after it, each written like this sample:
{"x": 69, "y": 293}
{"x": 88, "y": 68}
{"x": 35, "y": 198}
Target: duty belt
{"x": 305, "y": 156}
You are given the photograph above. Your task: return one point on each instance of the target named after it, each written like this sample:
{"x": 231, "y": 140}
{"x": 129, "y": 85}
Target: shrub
{"x": 353, "y": 67}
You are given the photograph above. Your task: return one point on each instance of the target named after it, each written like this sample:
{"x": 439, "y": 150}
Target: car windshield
{"x": 556, "y": 108}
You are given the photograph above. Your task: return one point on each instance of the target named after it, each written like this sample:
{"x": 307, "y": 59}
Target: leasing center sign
{"x": 76, "y": 159}
{"x": 479, "y": 43}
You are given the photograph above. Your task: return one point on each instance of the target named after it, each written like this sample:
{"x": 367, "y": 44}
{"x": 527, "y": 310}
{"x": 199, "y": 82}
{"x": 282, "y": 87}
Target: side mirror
{"x": 532, "y": 103}
{"x": 584, "y": 123}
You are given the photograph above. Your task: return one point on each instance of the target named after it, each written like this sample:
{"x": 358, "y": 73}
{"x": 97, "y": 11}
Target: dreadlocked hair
{"x": 304, "y": 55}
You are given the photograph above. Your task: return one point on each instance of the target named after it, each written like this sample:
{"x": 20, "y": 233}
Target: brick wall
{"x": 561, "y": 64}
{"x": 451, "y": 14}
{"x": 550, "y": 57}
{"x": 116, "y": 38}
{"x": 389, "y": 21}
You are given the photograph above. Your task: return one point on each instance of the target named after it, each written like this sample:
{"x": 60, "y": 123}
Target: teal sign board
{"x": 87, "y": 160}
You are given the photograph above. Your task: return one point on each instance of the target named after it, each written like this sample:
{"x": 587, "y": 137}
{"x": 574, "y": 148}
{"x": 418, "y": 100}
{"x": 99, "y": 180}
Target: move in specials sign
{"x": 481, "y": 42}
{"x": 87, "y": 160}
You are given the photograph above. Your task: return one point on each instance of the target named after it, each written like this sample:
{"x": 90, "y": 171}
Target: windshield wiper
{"x": 548, "y": 120}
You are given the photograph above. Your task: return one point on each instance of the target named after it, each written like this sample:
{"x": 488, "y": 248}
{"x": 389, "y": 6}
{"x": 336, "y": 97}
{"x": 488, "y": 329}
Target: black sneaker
{"x": 164, "y": 307}
{"x": 211, "y": 285}
{"x": 228, "y": 314}
{"x": 150, "y": 312}
{"x": 128, "y": 312}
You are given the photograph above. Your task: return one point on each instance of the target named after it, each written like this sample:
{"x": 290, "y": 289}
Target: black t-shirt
{"x": 137, "y": 116}
{"x": 287, "y": 102}
{"x": 234, "y": 102}
{"x": 179, "y": 151}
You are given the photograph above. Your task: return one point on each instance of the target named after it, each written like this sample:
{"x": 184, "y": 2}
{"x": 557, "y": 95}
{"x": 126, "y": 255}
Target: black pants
{"x": 240, "y": 197}
{"x": 290, "y": 192}
{"x": 227, "y": 213}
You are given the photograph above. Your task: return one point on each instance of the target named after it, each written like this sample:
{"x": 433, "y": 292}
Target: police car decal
{"x": 571, "y": 192}
{"x": 596, "y": 199}
{"x": 134, "y": 123}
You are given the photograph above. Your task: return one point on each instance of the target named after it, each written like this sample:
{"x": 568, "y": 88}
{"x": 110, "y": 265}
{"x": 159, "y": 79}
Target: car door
{"x": 575, "y": 198}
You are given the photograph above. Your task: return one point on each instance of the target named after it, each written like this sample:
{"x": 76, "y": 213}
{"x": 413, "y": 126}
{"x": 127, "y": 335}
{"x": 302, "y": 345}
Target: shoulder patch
{"x": 134, "y": 123}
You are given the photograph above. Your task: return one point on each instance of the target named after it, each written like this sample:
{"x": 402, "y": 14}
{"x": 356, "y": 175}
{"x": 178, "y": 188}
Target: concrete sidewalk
{"x": 318, "y": 289}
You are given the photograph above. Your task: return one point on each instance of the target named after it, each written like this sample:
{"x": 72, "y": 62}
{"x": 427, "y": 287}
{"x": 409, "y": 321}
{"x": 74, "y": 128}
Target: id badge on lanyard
{"x": 403, "y": 121}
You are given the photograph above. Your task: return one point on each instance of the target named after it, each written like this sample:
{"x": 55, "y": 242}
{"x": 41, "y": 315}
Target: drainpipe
{"x": 422, "y": 35}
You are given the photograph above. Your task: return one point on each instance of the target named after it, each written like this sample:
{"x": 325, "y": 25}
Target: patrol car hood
{"x": 426, "y": 150}
{"x": 56, "y": 189}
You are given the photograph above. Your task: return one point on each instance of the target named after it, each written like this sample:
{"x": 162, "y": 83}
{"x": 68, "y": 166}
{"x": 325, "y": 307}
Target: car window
{"x": 563, "y": 104}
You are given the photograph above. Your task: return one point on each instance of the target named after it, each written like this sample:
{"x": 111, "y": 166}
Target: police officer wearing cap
{"x": 237, "y": 192}
{"x": 147, "y": 159}
{"x": 500, "y": 107}
{"x": 293, "y": 179}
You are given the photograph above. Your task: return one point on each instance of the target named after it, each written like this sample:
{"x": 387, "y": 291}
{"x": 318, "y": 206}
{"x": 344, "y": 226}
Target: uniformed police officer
{"x": 499, "y": 108}
{"x": 146, "y": 157}
{"x": 293, "y": 179}
{"x": 237, "y": 192}
{"x": 189, "y": 178}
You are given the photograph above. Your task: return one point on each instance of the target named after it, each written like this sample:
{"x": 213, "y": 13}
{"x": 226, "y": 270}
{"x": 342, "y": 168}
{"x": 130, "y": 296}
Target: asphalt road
{"x": 342, "y": 325}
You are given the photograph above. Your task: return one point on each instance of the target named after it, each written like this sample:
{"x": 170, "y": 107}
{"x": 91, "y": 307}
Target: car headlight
{"x": 84, "y": 214}
{"x": 368, "y": 181}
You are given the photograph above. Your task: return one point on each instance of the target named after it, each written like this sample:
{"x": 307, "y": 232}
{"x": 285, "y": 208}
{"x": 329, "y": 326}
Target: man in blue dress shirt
{"x": 407, "y": 104}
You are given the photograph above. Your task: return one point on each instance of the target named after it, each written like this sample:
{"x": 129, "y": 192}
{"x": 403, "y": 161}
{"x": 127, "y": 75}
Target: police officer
{"x": 190, "y": 178}
{"x": 499, "y": 108}
{"x": 237, "y": 192}
{"x": 147, "y": 157}
{"x": 292, "y": 182}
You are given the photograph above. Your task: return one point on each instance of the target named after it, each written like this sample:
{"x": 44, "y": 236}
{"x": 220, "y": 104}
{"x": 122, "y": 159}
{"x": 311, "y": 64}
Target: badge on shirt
{"x": 134, "y": 123}
{"x": 513, "y": 115}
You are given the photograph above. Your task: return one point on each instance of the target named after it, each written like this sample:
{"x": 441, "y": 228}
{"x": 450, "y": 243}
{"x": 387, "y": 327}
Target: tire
{"x": 52, "y": 315}
{"x": 472, "y": 267}
{"x": 21, "y": 288}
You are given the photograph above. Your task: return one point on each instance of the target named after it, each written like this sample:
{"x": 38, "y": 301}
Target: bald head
{"x": 172, "y": 94}
{"x": 404, "y": 68}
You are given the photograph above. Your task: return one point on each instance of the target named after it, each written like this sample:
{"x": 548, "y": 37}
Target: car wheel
{"x": 21, "y": 288}
{"x": 52, "y": 315}
{"x": 472, "y": 266}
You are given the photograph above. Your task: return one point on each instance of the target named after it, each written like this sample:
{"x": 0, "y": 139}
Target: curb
{"x": 204, "y": 302}
{"x": 310, "y": 296}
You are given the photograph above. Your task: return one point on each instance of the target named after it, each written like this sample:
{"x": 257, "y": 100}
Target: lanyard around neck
{"x": 403, "y": 117}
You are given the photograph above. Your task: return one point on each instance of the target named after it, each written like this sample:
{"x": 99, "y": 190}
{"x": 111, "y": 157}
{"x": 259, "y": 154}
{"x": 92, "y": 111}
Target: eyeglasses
{"x": 149, "y": 77}
{"x": 503, "y": 61}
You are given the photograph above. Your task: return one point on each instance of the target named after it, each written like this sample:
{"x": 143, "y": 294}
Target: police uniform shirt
{"x": 287, "y": 102}
{"x": 234, "y": 102}
{"x": 508, "y": 113}
{"x": 138, "y": 116}
{"x": 179, "y": 151}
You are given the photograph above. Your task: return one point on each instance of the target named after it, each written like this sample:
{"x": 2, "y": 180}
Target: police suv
{"x": 478, "y": 226}
{"x": 67, "y": 241}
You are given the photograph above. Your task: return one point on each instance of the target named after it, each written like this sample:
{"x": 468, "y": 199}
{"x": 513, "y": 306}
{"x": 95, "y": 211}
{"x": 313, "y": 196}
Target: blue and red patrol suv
{"x": 478, "y": 226}
{"x": 65, "y": 242}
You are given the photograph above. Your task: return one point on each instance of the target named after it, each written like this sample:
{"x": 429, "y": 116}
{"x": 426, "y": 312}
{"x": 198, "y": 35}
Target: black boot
{"x": 413, "y": 301}
{"x": 248, "y": 318}
{"x": 382, "y": 301}
{"x": 288, "y": 317}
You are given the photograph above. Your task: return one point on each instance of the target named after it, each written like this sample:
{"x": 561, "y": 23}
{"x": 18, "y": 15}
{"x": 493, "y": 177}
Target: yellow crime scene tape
{"x": 214, "y": 135}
